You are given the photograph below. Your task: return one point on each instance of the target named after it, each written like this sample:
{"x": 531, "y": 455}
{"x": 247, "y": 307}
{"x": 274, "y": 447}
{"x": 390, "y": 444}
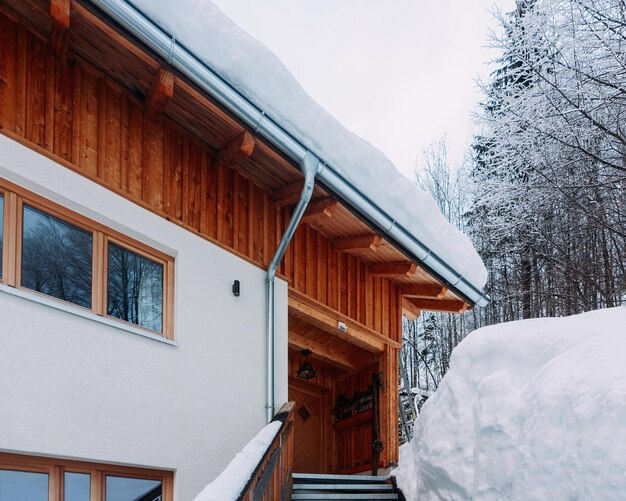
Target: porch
{"x": 343, "y": 380}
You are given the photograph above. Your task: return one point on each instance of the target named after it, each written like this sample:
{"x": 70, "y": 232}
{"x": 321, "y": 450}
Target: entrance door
{"x": 309, "y": 440}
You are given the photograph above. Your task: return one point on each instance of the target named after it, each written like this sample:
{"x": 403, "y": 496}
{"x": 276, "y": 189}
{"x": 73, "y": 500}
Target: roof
{"x": 259, "y": 76}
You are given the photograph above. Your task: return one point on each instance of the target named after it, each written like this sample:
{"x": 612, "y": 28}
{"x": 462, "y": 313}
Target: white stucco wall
{"x": 78, "y": 388}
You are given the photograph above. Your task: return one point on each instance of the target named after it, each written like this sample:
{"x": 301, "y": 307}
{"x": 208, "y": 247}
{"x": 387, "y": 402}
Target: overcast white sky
{"x": 400, "y": 73}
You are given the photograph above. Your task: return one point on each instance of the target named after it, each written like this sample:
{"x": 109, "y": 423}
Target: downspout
{"x": 310, "y": 168}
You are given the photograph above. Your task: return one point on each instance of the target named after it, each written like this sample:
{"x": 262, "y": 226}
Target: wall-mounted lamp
{"x": 236, "y": 288}
{"x": 306, "y": 370}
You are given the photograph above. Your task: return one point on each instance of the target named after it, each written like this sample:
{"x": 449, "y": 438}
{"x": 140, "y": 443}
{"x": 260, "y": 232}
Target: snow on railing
{"x": 262, "y": 470}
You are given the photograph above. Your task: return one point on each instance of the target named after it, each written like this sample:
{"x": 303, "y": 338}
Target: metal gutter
{"x": 189, "y": 65}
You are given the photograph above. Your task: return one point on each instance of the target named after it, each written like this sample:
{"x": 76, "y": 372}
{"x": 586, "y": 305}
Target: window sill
{"x": 80, "y": 312}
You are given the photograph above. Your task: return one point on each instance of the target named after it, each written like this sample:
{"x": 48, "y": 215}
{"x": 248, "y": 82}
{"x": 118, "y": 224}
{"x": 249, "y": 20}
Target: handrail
{"x": 271, "y": 479}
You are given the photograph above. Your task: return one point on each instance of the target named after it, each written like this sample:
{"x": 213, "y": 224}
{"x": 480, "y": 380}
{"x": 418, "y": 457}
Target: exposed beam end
{"x": 358, "y": 243}
{"x": 393, "y": 269}
{"x": 236, "y": 149}
{"x": 161, "y": 91}
{"x": 60, "y": 12}
{"x": 433, "y": 291}
{"x": 444, "y": 305}
{"x": 323, "y": 209}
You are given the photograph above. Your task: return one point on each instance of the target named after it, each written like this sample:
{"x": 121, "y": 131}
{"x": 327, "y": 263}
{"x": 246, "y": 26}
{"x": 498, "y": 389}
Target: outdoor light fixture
{"x": 306, "y": 370}
{"x": 236, "y": 288}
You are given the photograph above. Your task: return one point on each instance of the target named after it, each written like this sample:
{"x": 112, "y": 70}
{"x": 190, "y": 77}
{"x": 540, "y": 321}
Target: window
{"x": 30, "y": 478}
{"x": 15, "y": 484}
{"x": 125, "y": 488}
{"x": 56, "y": 257}
{"x": 134, "y": 288}
{"x": 62, "y": 255}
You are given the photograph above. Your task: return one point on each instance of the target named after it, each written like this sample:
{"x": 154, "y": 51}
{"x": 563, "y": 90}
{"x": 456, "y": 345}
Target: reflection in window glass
{"x": 137, "y": 489}
{"x": 76, "y": 486}
{"x": 1, "y": 229}
{"x": 23, "y": 486}
{"x": 56, "y": 258}
{"x": 134, "y": 288}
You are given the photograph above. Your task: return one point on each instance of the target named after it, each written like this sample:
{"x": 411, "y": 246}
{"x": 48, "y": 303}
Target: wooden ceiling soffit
{"x": 445, "y": 305}
{"x": 320, "y": 210}
{"x": 319, "y": 350}
{"x": 161, "y": 91}
{"x": 114, "y": 35}
{"x": 433, "y": 291}
{"x": 394, "y": 269}
{"x": 327, "y": 319}
{"x": 60, "y": 13}
{"x": 409, "y": 310}
{"x": 236, "y": 149}
{"x": 358, "y": 243}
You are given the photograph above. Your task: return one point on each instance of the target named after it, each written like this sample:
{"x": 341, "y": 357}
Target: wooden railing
{"x": 271, "y": 480}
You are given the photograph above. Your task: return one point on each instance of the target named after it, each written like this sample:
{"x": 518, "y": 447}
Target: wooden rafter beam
{"x": 60, "y": 13}
{"x": 161, "y": 91}
{"x": 288, "y": 194}
{"x": 358, "y": 242}
{"x": 323, "y": 209}
{"x": 394, "y": 269}
{"x": 319, "y": 350}
{"x": 409, "y": 310}
{"x": 236, "y": 149}
{"x": 423, "y": 290}
{"x": 445, "y": 305}
{"x": 327, "y": 319}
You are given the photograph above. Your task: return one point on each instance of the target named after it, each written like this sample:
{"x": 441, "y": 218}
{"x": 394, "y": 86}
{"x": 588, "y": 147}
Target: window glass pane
{"x": 23, "y": 485}
{"x": 134, "y": 288}
{"x": 137, "y": 489}
{"x": 1, "y": 229}
{"x": 76, "y": 486}
{"x": 56, "y": 258}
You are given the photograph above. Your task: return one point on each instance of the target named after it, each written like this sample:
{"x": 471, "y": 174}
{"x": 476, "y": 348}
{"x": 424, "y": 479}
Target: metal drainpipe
{"x": 310, "y": 167}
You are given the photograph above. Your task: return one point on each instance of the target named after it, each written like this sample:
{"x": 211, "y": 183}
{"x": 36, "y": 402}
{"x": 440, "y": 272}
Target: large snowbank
{"x": 231, "y": 482}
{"x": 262, "y": 78}
{"x": 529, "y": 410}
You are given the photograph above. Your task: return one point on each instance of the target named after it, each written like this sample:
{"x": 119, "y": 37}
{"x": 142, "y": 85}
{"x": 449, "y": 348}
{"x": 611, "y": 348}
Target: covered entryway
{"x": 334, "y": 412}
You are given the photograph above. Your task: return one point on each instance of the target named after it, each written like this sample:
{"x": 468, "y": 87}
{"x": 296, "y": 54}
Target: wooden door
{"x": 309, "y": 434}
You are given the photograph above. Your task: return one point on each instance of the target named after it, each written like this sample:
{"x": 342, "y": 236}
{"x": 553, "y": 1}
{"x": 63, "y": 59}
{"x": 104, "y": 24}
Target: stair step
{"x": 359, "y": 496}
{"x": 343, "y": 487}
{"x": 320, "y": 478}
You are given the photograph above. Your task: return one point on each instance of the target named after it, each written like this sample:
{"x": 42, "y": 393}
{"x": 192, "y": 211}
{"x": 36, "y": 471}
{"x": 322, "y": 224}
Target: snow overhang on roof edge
{"x": 164, "y": 44}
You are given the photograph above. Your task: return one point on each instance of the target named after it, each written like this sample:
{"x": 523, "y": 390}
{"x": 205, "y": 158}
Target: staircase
{"x": 318, "y": 487}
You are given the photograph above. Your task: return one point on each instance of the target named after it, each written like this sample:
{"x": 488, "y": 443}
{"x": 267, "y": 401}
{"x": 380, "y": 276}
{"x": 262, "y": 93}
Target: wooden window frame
{"x": 14, "y": 199}
{"x": 56, "y": 468}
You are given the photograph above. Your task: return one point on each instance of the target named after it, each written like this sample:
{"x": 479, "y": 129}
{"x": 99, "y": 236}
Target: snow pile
{"x": 529, "y": 410}
{"x": 231, "y": 482}
{"x": 261, "y": 77}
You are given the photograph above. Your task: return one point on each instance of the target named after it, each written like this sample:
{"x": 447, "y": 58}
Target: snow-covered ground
{"x": 529, "y": 410}
{"x": 231, "y": 482}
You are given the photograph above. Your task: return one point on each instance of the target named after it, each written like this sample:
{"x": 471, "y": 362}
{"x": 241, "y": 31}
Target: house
{"x": 173, "y": 255}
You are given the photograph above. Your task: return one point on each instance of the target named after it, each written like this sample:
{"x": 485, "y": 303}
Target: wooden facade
{"x": 100, "y": 104}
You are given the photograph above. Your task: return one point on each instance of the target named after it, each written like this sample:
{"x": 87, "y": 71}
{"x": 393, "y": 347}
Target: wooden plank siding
{"x": 64, "y": 108}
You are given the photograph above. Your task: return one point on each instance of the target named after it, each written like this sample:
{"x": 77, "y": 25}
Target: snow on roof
{"x": 252, "y": 69}
{"x": 534, "y": 409}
